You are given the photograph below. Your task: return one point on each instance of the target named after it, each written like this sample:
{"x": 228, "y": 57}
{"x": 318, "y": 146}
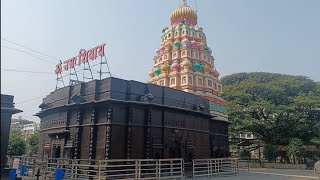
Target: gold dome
{"x": 184, "y": 12}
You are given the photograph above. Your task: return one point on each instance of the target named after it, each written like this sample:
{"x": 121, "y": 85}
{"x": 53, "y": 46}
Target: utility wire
{"x": 31, "y": 49}
{"x": 24, "y": 71}
{"x": 28, "y": 54}
{"x": 30, "y": 99}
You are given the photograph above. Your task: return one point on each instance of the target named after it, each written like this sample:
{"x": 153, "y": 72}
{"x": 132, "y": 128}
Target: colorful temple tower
{"x": 185, "y": 62}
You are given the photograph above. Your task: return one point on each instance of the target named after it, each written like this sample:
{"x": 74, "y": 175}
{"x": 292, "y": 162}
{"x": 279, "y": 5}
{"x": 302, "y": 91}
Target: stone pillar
{"x": 7, "y": 109}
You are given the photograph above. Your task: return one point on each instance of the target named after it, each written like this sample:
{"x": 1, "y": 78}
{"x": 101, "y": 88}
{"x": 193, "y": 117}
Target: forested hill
{"x": 275, "y": 107}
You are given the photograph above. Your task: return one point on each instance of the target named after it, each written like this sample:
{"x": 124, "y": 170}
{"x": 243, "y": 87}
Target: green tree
{"x": 295, "y": 149}
{"x": 245, "y": 154}
{"x": 274, "y": 107}
{"x": 34, "y": 143}
{"x": 270, "y": 153}
{"x": 17, "y": 145}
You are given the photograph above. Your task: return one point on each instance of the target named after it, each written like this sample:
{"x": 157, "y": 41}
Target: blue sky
{"x": 245, "y": 36}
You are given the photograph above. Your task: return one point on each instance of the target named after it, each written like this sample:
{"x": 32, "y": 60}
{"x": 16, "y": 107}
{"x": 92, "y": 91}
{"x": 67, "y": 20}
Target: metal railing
{"x": 243, "y": 165}
{"x": 30, "y": 162}
{"x": 134, "y": 168}
{"x": 214, "y": 167}
{"x": 116, "y": 169}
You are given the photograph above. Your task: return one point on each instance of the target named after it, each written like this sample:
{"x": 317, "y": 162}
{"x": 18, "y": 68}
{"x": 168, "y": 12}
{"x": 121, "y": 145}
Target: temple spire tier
{"x": 184, "y": 61}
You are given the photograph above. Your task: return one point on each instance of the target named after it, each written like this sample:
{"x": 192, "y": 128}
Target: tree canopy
{"x": 275, "y": 107}
{"x": 295, "y": 149}
{"x": 17, "y": 145}
{"x": 34, "y": 143}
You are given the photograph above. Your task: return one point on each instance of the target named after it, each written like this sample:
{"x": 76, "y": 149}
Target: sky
{"x": 245, "y": 36}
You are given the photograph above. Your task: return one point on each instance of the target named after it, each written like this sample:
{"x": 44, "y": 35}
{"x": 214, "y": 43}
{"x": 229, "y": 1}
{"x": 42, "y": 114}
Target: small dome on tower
{"x": 157, "y": 71}
{"x": 186, "y": 42}
{"x": 162, "y": 48}
{"x": 151, "y": 74}
{"x": 194, "y": 43}
{"x": 216, "y": 73}
{"x": 157, "y": 51}
{"x": 186, "y": 63}
{"x": 175, "y": 66}
{"x": 184, "y": 13}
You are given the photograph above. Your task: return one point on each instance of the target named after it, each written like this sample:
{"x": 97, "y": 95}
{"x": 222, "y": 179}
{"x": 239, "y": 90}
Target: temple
{"x": 185, "y": 62}
{"x": 178, "y": 114}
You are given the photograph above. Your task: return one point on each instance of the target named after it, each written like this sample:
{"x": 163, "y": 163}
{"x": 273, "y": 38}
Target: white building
{"x": 29, "y": 129}
{"x": 25, "y": 127}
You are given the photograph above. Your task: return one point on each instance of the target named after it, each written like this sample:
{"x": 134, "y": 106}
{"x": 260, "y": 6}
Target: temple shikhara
{"x": 184, "y": 60}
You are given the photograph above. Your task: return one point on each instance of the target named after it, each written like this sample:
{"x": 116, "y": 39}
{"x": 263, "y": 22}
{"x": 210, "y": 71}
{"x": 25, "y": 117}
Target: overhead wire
{"x": 28, "y": 54}
{"x": 30, "y": 49}
{"x": 25, "y": 71}
{"x": 31, "y": 99}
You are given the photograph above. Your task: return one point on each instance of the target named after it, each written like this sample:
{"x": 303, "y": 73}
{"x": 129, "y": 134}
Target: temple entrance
{"x": 56, "y": 153}
{"x": 189, "y": 151}
{"x": 175, "y": 149}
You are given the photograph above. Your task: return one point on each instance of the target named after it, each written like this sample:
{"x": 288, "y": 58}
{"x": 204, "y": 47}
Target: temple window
{"x": 173, "y": 81}
{"x": 200, "y": 82}
{"x": 215, "y": 85}
{"x": 160, "y": 60}
{"x": 220, "y": 88}
{"x": 165, "y": 57}
{"x": 190, "y": 80}
{"x": 176, "y": 34}
{"x": 162, "y": 83}
{"x": 183, "y": 53}
{"x": 183, "y": 32}
{"x": 184, "y": 80}
{"x": 187, "y": 32}
{"x": 209, "y": 83}
{"x": 174, "y": 54}
{"x": 162, "y": 39}
{"x": 193, "y": 33}
{"x": 169, "y": 36}
{"x": 189, "y": 54}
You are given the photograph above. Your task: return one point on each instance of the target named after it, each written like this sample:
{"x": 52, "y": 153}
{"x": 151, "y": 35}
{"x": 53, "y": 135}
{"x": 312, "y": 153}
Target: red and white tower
{"x": 185, "y": 62}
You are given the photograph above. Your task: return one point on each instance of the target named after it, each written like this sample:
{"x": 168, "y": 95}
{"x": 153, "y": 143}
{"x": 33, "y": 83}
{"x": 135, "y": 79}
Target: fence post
{"x": 136, "y": 169}
{"x": 99, "y": 170}
{"x": 193, "y": 173}
{"x": 159, "y": 169}
{"x": 171, "y": 170}
{"x": 33, "y": 166}
{"x": 182, "y": 167}
{"x": 211, "y": 171}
